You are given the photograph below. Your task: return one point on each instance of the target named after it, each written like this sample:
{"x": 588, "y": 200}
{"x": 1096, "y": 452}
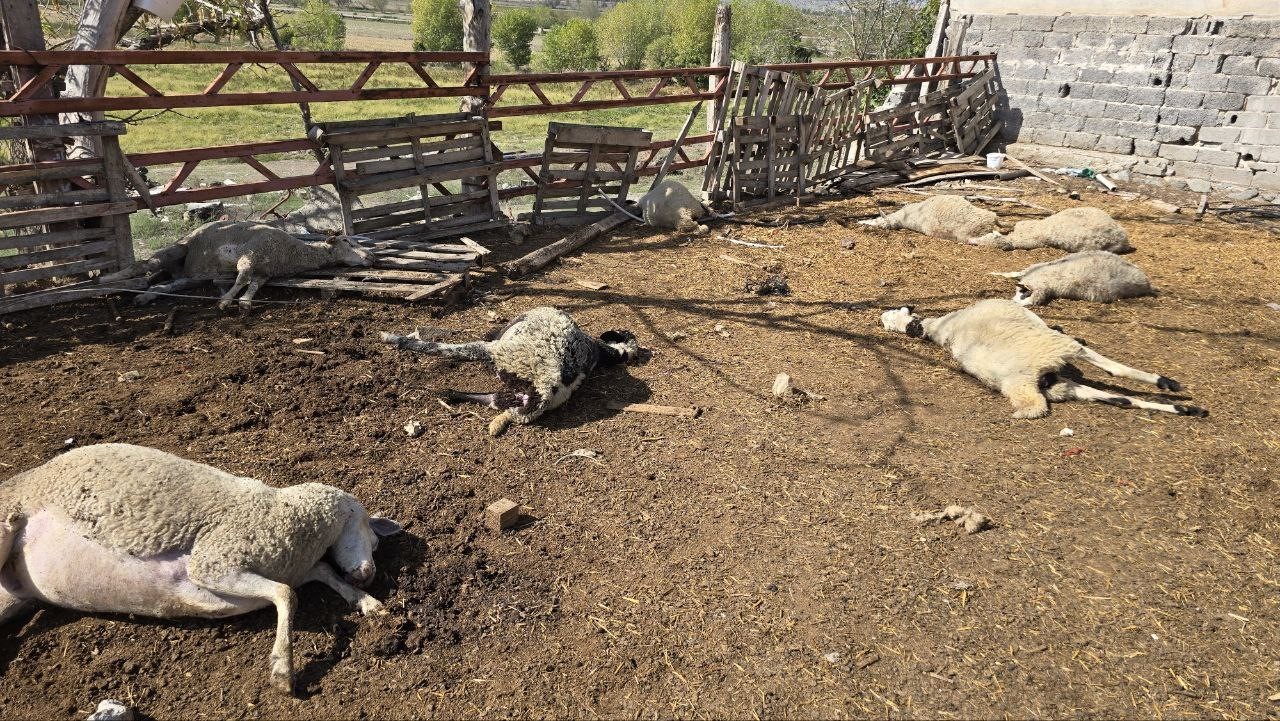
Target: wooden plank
{"x": 28, "y": 218}
{"x": 24, "y": 202}
{"x": 370, "y": 287}
{"x": 405, "y": 153}
{"x": 144, "y": 102}
{"x": 441, "y": 158}
{"x": 541, "y": 257}
{"x": 383, "y": 274}
{"x": 60, "y": 237}
{"x": 21, "y": 175}
{"x": 56, "y": 132}
{"x": 600, "y": 135}
{"x": 682, "y": 411}
{"x": 437, "y": 289}
{"x": 54, "y": 271}
{"x": 77, "y": 291}
{"x": 383, "y": 136}
{"x": 9, "y": 262}
{"x": 405, "y": 179}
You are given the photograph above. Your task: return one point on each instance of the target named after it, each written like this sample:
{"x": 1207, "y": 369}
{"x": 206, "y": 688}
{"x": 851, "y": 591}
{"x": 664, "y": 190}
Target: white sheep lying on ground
{"x": 1072, "y": 230}
{"x": 670, "y": 205}
{"x": 949, "y": 217}
{"x": 256, "y": 253}
{"x": 1010, "y": 349}
{"x": 125, "y": 529}
{"x": 541, "y": 357}
{"x": 1094, "y": 275}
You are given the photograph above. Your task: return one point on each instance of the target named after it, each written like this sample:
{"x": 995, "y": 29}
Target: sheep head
{"x": 353, "y": 551}
{"x": 623, "y": 343}
{"x": 347, "y": 251}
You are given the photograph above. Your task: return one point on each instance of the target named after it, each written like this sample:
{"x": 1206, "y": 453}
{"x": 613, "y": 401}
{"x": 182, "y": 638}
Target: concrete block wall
{"x": 1195, "y": 99}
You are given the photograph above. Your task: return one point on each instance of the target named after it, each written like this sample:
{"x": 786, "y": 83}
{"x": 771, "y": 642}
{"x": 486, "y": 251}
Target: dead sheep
{"x": 949, "y": 217}
{"x": 1093, "y": 275}
{"x": 1072, "y": 230}
{"x": 256, "y": 253}
{"x": 672, "y": 206}
{"x": 116, "y": 528}
{"x": 1011, "y": 350}
{"x": 541, "y": 357}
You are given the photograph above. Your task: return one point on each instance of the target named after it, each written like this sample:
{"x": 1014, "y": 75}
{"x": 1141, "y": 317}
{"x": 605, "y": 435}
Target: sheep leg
{"x": 245, "y": 584}
{"x": 1065, "y": 390}
{"x": 249, "y": 292}
{"x": 1121, "y": 370}
{"x": 243, "y": 279}
{"x": 478, "y": 350}
{"x": 324, "y": 573}
{"x": 1027, "y": 400}
{"x": 10, "y": 605}
{"x": 173, "y": 286}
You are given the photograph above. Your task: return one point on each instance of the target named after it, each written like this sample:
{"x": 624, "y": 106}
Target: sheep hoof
{"x": 282, "y": 678}
{"x": 392, "y": 339}
{"x": 1192, "y": 411}
{"x": 372, "y": 607}
{"x": 223, "y": 305}
{"x": 245, "y": 306}
{"x": 1168, "y": 384}
{"x": 1029, "y": 413}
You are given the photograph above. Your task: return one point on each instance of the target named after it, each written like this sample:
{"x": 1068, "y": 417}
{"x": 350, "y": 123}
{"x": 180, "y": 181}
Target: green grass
{"x": 203, "y": 127}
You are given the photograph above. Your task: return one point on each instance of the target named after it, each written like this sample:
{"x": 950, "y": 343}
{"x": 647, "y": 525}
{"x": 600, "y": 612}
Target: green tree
{"x": 437, "y": 26}
{"x": 513, "y": 32}
{"x": 317, "y": 27}
{"x": 692, "y": 24}
{"x": 628, "y": 28}
{"x": 767, "y": 31}
{"x": 569, "y": 46}
{"x": 661, "y": 53}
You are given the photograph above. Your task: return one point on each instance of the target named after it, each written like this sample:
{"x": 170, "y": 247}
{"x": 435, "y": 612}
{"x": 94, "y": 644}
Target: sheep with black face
{"x": 541, "y": 357}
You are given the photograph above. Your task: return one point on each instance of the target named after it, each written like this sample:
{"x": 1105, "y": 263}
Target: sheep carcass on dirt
{"x": 949, "y": 217}
{"x": 1094, "y": 275}
{"x": 1072, "y": 230}
{"x": 1010, "y": 349}
{"x": 126, "y": 529}
{"x": 256, "y": 253}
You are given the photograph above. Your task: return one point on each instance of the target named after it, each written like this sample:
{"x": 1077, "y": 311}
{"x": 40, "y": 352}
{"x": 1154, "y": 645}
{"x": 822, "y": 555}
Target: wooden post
{"x": 476, "y": 17}
{"x": 719, "y": 59}
{"x": 22, "y": 31}
{"x": 936, "y": 42}
{"x": 102, "y": 24}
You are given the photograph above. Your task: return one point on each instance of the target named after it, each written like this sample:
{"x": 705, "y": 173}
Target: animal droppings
{"x": 966, "y": 516}
{"x": 502, "y": 514}
{"x": 111, "y": 710}
{"x": 771, "y": 284}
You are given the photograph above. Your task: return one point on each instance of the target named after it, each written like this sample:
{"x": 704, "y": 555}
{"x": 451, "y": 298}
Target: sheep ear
{"x": 915, "y": 328}
{"x": 384, "y": 526}
{"x": 910, "y": 309}
{"x": 616, "y": 336}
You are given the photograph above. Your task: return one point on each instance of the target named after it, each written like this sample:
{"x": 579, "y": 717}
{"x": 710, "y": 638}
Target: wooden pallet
{"x": 63, "y": 224}
{"x": 911, "y": 130}
{"x": 973, "y": 112}
{"x": 579, "y": 163}
{"x": 767, "y": 158}
{"x": 407, "y": 269}
{"x": 423, "y": 152}
{"x": 751, "y": 92}
{"x": 836, "y": 132}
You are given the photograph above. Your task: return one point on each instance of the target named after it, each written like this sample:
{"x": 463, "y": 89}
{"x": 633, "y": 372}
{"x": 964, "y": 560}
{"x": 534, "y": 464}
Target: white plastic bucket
{"x": 163, "y": 9}
{"x": 994, "y": 160}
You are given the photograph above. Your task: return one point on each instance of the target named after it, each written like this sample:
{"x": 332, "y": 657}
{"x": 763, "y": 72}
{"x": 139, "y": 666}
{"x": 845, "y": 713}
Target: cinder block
{"x": 1084, "y": 141}
{"x": 1120, "y": 111}
{"x": 1061, "y": 72}
{"x": 1207, "y": 64}
{"x": 1149, "y": 113}
{"x": 1136, "y": 129}
{"x": 1056, "y": 40}
{"x": 1196, "y": 117}
{"x": 1269, "y": 67}
{"x": 1113, "y": 144}
{"x": 1234, "y": 176}
{"x": 1239, "y": 65}
{"x": 1070, "y": 24}
{"x": 1174, "y": 134}
{"x": 1183, "y": 98}
{"x": 1270, "y": 155}
{"x": 1146, "y": 148}
{"x": 1015, "y": 86}
{"x": 1100, "y": 125}
{"x": 1087, "y": 108}
{"x": 1044, "y": 136}
{"x": 1120, "y": 42}
{"x": 1146, "y": 96}
{"x": 1097, "y": 23}
{"x": 1260, "y": 136}
{"x": 1182, "y": 62}
{"x": 1136, "y": 25}
{"x": 1251, "y": 28}
{"x": 1173, "y": 151}
{"x": 1092, "y": 74}
{"x": 1223, "y": 101}
{"x": 1167, "y": 26}
{"x": 1224, "y": 158}
{"x": 1027, "y": 38}
{"x": 1248, "y": 119}
{"x": 1043, "y": 23}
{"x": 1248, "y": 84}
{"x": 1265, "y": 104}
{"x": 1132, "y": 78}
{"x": 1205, "y": 83}
{"x": 1273, "y": 120}
{"x": 1091, "y": 39}
{"x": 1152, "y": 43}
{"x": 1110, "y": 93}
{"x": 1192, "y": 170}
{"x": 1219, "y": 135}
{"x": 1067, "y": 121}
{"x": 1005, "y": 22}
{"x": 1231, "y": 45}
{"x": 1194, "y": 44}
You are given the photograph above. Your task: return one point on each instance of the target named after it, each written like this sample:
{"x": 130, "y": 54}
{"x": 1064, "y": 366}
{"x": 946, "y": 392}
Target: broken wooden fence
{"x": 583, "y": 168}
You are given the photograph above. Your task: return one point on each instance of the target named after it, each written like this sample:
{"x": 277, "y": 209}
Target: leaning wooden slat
{"x": 400, "y": 206}
{"x": 404, "y": 179}
{"x": 599, "y": 134}
{"x": 575, "y": 191}
{"x": 425, "y": 265}
{"x": 54, "y": 271}
{"x": 60, "y": 237}
{"x": 77, "y": 291}
{"x": 37, "y": 174}
{"x": 391, "y": 150}
{"x": 437, "y": 289}
{"x": 443, "y": 158}
{"x": 24, "y": 202}
{"x": 541, "y": 257}
{"x": 372, "y": 288}
{"x": 432, "y": 233}
{"x": 9, "y": 262}
{"x": 54, "y": 132}
{"x": 44, "y": 216}
{"x": 382, "y": 136}
{"x": 404, "y": 276}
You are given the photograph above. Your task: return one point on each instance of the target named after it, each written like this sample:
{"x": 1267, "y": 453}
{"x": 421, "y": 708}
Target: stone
{"x": 202, "y": 212}
{"x": 111, "y": 710}
{"x": 502, "y": 514}
{"x": 1243, "y": 194}
{"x": 1197, "y": 185}
{"x": 1219, "y": 135}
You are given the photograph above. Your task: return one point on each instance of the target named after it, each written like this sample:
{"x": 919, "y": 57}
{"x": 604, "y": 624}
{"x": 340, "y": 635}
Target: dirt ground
{"x": 757, "y": 561}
